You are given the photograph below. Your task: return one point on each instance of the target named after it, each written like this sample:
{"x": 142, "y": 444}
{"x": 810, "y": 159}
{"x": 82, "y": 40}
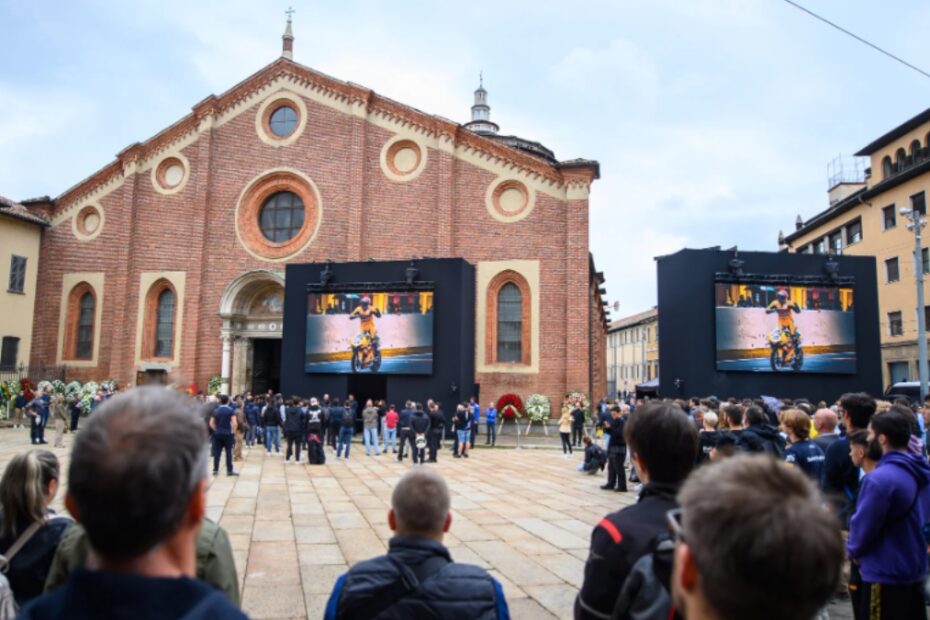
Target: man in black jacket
{"x": 419, "y": 427}
{"x": 577, "y": 426}
{"x": 759, "y": 435}
{"x": 404, "y": 434}
{"x": 664, "y": 447}
{"x": 436, "y": 424}
{"x": 616, "y": 451}
{"x": 840, "y": 478}
{"x": 417, "y": 578}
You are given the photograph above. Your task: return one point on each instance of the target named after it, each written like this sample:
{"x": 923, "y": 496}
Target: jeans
{"x": 345, "y": 439}
{"x": 390, "y": 434}
{"x": 222, "y": 443}
{"x": 492, "y": 433}
{"x": 406, "y": 435}
{"x": 273, "y": 436}
{"x": 474, "y": 433}
{"x": 370, "y": 436}
{"x": 566, "y": 444}
{"x": 250, "y": 435}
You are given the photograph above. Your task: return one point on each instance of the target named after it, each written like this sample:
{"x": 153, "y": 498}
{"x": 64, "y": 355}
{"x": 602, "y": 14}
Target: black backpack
{"x": 646, "y": 592}
{"x": 348, "y": 420}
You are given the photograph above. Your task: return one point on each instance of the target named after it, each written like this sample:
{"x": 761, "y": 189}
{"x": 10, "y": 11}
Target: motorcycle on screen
{"x": 787, "y": 353}
{"x": 365, "y": 353}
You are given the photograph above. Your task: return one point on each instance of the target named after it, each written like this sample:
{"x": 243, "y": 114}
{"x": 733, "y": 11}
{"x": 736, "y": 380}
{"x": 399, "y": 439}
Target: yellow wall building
{"x": 864, "y": 219}
{"x": 632, "y": 351}
{"x": 20, "y": 237}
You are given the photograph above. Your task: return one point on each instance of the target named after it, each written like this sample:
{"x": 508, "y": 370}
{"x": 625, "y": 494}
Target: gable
{"x": 285, "y": 76}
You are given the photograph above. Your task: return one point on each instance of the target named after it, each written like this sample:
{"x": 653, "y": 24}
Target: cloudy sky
{"x": 713, "y": 120}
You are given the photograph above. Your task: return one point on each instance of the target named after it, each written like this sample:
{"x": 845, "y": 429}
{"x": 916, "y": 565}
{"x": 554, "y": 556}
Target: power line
{"x": 858, "y": 38}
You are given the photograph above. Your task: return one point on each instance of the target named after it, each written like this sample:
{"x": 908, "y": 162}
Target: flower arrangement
{"x": 88, "y": 392}
{"x": 213, "y": 385}
{"x": 538, "y": 408}
{"x": 510, "y": 407}
{"x": 579, "y": 399}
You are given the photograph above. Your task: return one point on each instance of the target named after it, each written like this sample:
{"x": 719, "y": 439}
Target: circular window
{"x": 170, "y": 175}
{"x": 88, "y": 222}
{"x": 278, "y": 214}
{"x": 281, "y": 217}
{"x": 402, "y": 159}
{"x": 509, "y": 200}
{"x": 283, "y": 121}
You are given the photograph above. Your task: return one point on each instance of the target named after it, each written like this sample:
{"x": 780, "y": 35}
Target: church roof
{"x": 347, "y": 93}
{"x": 19, "y": 212}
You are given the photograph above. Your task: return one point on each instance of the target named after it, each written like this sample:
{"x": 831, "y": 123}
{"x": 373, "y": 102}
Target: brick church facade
{"x": 168, "y": 263}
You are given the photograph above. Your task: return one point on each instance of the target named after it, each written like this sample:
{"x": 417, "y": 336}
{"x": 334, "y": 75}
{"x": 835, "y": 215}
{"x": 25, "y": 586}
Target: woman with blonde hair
{"x": 29, "y": 530}
{"x": 565, "y": 429}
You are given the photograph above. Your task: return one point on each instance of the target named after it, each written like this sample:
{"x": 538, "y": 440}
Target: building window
{"x": 854, "y": 232}
{"x": 895, "y": 324}
{"x": 84, "y": 343}
{"x": 283, "y": 121}
{"x": 919, "y": 203}
{"x": 926, "y": 316}
{"x": 915, "y": 150}
{"x": 889, "y": 217}
{"x": 900, "y": 158}
{"x": 891, "y": 270}
{"x": 897, "y": 372}
{"x": 836, "y": 243}
{"x": 509, "y": 323}
{"x": 887, "y": 167}
{"x": 821, "y": 247}
{"x": 164, "y": 324}
{"x": 80, "y": 323}
{"x": 281, "y": 217}
{"x": 9, "y": 353}
{"x": 17, "y": 274}
{"x": 925, "y": 260}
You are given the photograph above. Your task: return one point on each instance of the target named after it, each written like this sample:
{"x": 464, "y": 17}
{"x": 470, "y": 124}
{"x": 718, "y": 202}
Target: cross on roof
{"x": 289, "y": 12}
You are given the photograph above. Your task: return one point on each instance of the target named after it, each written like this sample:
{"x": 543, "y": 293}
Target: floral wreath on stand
{"x": 510, "y": 407}
{"x": 538, "y": 410}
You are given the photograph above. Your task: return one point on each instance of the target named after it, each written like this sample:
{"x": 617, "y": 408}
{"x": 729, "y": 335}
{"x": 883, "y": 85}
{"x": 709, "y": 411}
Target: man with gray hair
{"x": 417, "y": 578}
{"x": 137, "y": 483}
{"x": 825, "y": 421}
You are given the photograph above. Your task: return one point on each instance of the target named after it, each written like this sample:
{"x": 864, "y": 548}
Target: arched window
{"x": 915, "y": 149}
{"x": 80, "y": 323}
{"x": 900, "y": 157}
{"x": 509, "y": 324}
{"x": 164, "y": 324}
{"x": 887, "y": 167}
{"x": 84, "y": 342}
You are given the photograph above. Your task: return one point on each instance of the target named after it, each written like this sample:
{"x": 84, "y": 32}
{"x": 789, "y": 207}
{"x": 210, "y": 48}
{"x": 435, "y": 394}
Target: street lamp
{"x": 916, "y": 222}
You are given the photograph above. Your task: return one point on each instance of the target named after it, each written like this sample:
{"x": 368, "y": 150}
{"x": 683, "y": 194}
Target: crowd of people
{"x": 855, "y": 470}
{"x": 64, "y": 410}
{"x": 745, "y": 509}
{"x": 310, "y": 425}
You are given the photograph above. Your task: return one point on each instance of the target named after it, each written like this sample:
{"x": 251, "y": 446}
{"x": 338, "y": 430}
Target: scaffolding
{"x": 846, "y": 169}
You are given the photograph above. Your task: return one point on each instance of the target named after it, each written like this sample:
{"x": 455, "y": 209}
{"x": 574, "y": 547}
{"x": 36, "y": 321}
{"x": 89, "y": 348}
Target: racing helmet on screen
{"x": 781, "y": 293}
{"x": 366, "y": 300}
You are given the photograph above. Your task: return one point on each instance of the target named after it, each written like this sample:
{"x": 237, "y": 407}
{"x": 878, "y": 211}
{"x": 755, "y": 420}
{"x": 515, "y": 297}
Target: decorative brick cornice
{"x": 349, "y": 95}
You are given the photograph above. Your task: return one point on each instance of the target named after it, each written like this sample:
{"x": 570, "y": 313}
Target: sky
{"x": 713, "y": 120}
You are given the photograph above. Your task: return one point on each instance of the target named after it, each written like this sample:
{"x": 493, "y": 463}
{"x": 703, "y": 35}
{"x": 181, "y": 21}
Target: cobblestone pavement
{"x": 525, "y": 515}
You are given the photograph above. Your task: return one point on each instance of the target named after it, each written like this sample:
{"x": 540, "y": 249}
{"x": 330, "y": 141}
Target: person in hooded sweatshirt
{"x": 760, "y": 436}
{"x": 886, "y": 533}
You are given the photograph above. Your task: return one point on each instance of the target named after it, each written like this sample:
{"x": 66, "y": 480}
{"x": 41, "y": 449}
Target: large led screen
{"x": 370, "y": 332}
{"x": 782, "y": 328}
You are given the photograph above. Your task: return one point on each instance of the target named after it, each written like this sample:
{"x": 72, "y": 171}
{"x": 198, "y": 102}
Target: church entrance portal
{"x": 252, "y": 308}
{"x": 266, "y": 365}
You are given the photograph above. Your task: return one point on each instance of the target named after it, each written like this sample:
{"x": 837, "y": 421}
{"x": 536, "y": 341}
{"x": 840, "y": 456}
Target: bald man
{"x": 417, "y": 578}
{"x": 825, "y": 422}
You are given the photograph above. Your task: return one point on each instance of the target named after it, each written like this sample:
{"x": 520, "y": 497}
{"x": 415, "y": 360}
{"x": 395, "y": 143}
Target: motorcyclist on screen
{"x": 784, "y": 307}
{"x": 366, "y": 313}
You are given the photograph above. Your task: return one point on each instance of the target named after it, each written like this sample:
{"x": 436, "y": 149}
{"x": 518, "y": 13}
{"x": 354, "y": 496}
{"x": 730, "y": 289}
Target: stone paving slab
{"x": 526, "y": 515}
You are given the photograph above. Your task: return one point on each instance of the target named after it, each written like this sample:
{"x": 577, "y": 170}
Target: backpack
{"x": 348, "y": 419}
{"x": 8, "y": 607}
{"x": 645, "y": 594}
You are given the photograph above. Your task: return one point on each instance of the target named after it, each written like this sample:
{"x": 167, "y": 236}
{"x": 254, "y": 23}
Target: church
{"x": 168, "y": 264}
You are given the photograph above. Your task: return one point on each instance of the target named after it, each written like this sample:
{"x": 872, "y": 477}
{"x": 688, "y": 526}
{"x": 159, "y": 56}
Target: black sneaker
{"x": 232, "y": 473}
{"x": 606, "y": 487}
{"x": 465, "y": 455}
{"x": 215, "y": 472}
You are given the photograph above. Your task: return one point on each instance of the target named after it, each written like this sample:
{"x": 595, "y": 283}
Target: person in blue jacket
{"x": 887, "y": 532}
{"x": 490, "y": 419}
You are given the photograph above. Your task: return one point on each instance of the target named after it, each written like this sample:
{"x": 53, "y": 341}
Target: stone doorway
{"x": 252, "y": 309}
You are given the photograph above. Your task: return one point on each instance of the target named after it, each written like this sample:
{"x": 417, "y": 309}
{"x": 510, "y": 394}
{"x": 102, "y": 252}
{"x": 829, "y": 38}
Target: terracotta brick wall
{"x": 441, "y": 213}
